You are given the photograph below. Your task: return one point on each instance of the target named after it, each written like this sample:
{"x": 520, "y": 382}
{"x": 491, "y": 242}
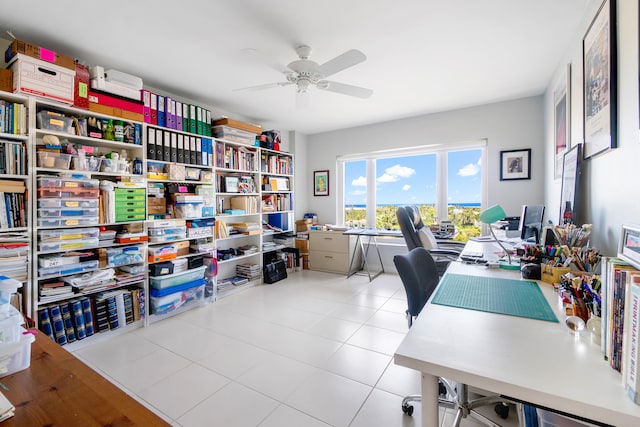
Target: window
{"x": 446, "y": 185}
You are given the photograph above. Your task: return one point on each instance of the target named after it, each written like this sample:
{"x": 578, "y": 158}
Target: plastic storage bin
{"x": 80, "y": 267}
{"x": 67, "y": 245}
{"x": 551, "y": 419}
{"x": 11, "y": 321}
{"x": 63, "y": 222}
{"x": 171, "y": 280}
{"x": 68, "y": 203}
{"x": 163, "y": 303}
{"x": 16, "y": 356}
{"x": 53, "y": 160}
{"x": 8, "y": 286}
{"x": 162, "y": 253}
{"x": 60, "y": 235}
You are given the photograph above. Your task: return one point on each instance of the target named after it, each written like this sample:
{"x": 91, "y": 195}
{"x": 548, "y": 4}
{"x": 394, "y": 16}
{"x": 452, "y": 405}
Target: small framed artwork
{"x": 562, "y": 120}
{"x": 515, "y": 164}
{"x": 321, "y": 183}
{"x": 570, "y": 185}
{"x": 599, "y": 57}
{"x": 231, "y": 184}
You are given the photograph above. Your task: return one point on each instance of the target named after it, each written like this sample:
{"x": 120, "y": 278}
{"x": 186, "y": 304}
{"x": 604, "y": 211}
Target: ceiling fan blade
{"x": 266, "y": 60}
{"x": 340, "y": 62}
{"x": 264, "y": 86}
{"x": 345, "y": 89}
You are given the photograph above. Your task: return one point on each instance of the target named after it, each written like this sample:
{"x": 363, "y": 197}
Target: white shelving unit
{"x": 15, "y": 234}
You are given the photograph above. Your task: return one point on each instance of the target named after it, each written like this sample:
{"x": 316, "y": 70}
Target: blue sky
{"x": 412, "y": 180}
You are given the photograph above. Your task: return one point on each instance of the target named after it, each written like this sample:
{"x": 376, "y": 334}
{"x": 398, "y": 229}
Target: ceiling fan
{"x": 304, "y": 73}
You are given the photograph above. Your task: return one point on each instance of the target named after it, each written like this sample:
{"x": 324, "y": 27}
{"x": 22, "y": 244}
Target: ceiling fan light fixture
{"x": 303, "y": 85}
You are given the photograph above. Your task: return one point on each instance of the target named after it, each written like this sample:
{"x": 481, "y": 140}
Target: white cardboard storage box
{"x": 36, "y": 77}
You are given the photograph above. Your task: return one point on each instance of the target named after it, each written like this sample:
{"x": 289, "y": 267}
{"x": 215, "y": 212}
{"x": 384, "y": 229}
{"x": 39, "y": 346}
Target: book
{"x": 87, "y": 312}
{"x": 68, "y": 323}
{"x": 77, "y": 316}
{"x": 631, "y": 368}
{"x": 57, "y": 324}
{"x": 135, "y": 301}
{"x": 128, "y": 307}
{"x": 102, "y": 319}
{"x": 45, "y": 323}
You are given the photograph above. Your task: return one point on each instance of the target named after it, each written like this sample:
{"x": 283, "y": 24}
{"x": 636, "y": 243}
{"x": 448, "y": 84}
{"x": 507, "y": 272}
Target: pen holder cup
{"x": 552, "y": 274}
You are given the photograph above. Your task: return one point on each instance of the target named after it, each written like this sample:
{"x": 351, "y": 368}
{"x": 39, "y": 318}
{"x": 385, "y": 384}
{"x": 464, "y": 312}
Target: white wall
{"x": 608, "y": 195}
{"x": 506, "y": 126}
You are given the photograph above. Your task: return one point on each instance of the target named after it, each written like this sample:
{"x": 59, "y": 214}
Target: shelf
{"x": 13, "y": 97}
{"x": 87, "y": 140}
{"x": 227, "y": 170}
{"x": 53, "y": 276}
{"x": 13, "y": 136}
{"x": 89, "y": 173}
{"x": 237, "y": 194}
{"x": 176, "y": 181}
{"x": 88, "y": 293}
{"x": 41, "y": 102}
{"x": 189, "y": 165}
{"x": 13, "y": 230}
{"x": 111, "y": 245}
{"x": 236, "y": 258}
{"x": 273, "y": 249}
{"x": 235, "y": 289}
{"x": 186, "y": 307}
{"x": 99, "y": 336}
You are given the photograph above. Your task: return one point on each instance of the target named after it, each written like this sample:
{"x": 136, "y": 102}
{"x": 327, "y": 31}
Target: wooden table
{"x": 60, "y": 390}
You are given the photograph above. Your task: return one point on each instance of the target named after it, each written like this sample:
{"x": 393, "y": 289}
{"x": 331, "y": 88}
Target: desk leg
{"x": 430, "y": 414}
{"x": 357, "y": 246}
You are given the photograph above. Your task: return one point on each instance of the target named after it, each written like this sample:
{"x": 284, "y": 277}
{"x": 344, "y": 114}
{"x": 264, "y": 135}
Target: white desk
{"x": 536, "y": 361}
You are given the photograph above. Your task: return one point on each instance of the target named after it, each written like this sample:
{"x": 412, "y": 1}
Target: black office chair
{"x": 417, "y": 235}
{"x": 419, "y": 275}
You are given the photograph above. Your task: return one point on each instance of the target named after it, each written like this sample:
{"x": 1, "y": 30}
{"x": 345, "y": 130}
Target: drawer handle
{"x": 328, "y": 238}
{"x": 327, "y": 256}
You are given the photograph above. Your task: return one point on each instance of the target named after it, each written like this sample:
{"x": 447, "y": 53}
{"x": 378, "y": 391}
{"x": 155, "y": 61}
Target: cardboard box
{"x": 6, "y": 80}
{"x": 302, "y": 225}
{"x": 35, "y": 77}
{"x": 183, "y": 248}
{"x": 257, "y": 129}
{"x": 18, "y": 47}
{"x": 302, "y": 245}
{"x": 81, "y": 87}
{"x": 156, "y": 205}
{"x": 116, "y": 112}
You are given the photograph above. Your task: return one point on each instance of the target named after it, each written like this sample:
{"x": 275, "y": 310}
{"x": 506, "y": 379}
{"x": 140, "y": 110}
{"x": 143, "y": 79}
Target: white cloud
{"x": 358, "y": 192}
{"x": 406, "y": 187}
{"x": 395, "y": 173}
{"x": 471, "y": 169}
{"x": 360, "y": 181}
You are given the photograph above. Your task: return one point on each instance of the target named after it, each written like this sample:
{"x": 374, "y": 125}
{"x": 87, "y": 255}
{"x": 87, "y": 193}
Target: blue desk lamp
{"x": 489, "y": 216}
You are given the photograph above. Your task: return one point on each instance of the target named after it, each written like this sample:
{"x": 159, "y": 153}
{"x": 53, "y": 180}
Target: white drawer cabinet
{"x": 331, "y": 251}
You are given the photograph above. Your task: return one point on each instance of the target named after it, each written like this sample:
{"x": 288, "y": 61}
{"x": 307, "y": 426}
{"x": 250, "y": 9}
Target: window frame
{"x": 440, "y": 150}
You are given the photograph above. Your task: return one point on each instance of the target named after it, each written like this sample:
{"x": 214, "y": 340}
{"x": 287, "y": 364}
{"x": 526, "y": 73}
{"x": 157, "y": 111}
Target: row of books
{"x": 165, "y": 111}
{"x": 273, "y": 163}
{"x": 276, "y": 202}
{"x": 168, "y": 146}
{"x": 13, "y": 157}
{"x": 621, "y": 321}
{"x": 232, "y": 157}
{"x": 13, "y": 204}
{"x": 13, "y": 118}
{"x": 80, "y": 318}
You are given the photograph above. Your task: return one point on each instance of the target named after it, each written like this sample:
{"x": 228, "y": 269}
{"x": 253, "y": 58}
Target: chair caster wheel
{"x": 407, "y": 409}
{"x": 502, "y": 410}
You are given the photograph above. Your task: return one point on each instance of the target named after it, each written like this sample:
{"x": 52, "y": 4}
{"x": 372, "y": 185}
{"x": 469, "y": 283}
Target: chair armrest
{"x": 444, "y": 252}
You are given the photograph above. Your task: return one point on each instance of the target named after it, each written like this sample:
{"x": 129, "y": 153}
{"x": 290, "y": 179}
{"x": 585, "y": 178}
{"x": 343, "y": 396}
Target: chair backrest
{"x": 413, "y": 230}
{"x": 419, "y": 276}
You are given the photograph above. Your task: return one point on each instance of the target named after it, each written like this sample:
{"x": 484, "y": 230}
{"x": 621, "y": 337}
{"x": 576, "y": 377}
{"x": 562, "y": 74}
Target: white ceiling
{"x": 423, "y": 56}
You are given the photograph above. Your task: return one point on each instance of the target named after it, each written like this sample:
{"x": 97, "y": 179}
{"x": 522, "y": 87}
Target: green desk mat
{"x": 504, "y": 296}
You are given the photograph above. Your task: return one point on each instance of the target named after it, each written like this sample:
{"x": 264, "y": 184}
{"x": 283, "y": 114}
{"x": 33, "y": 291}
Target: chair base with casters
{"x": 419, "y": 275}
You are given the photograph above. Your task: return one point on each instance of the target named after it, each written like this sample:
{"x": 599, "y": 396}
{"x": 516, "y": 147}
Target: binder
{"x": 174, "y": 147}
{"x": 207, "y": 123}
{"x": 154, "y": 108}
{"x": 151, "y": 143}
{"x": 192, "y": 149}
{"x": 166, "y": 141}
{"x": 45, "y": 323}
{"x": 181, "y": 148}
{"x": 178, "y": 115}
{"x": 168, "y": 112}
{"x": 199, "y": 120}
{"x": 162, "y": 118}
{"x": 192, "y": 119}
{"x": 172, "y": 117}
{"x": 205, "y": 151}
{"x": 159, "y": 147}
{"x": 57, "y": 324}
{"x": 209, "y": 152}
{"x": 185, "y": 117}
{"x": 198, "y": 151}
{"x": 146, "y": 109}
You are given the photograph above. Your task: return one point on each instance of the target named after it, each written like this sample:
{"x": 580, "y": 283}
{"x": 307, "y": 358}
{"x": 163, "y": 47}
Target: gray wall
{"x": 506, "y": 126}
{"x": 608, "y": 195}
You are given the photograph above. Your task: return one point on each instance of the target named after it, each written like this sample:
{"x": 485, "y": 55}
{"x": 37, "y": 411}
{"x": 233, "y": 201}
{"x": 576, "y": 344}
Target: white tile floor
{"x": 313, "y": 350}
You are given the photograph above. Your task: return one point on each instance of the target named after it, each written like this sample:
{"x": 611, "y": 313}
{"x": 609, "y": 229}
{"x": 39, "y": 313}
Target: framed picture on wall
{"x": 561, "y": 120}
{"x": 321, "y": 183}
{"x": 599, "y": 57}
{"x": 570, "y": 175}
{"x": 515, "y": 164}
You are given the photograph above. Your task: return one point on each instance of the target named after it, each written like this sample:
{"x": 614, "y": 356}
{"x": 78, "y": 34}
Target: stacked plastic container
{"x": 171, "y": 291}
{"x": 15, "y": 341}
